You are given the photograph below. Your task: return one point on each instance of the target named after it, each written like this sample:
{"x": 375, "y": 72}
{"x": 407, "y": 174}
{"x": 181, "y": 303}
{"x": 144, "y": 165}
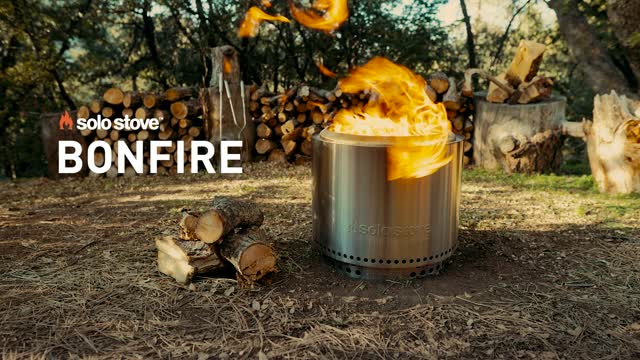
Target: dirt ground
{"x": 546, "y": 269}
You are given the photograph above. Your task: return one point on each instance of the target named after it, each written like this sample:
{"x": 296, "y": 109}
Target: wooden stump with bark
{"x": 519, "y": 138}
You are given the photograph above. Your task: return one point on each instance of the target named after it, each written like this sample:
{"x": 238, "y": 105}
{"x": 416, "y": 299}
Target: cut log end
{"x": 210, "y": 227}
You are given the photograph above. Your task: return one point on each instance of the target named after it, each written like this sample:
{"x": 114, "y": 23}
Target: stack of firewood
{"x": 445, "y": 90}
{"x": 520, "y": 83}
{"x": 287, "y": 121}
{"x": 227, "y": 234}
{"x": 178, "y": 110}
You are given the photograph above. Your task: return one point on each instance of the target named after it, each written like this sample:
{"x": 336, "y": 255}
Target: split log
{"x": 497, "y": 94}
{"x": 537, "y": 89}
{"x": 451, "y": 99}
{"x": 289, "y": 147}
{"x": 188, "y": 225}
{"x": 250, "y": 254}
{"x": 182, "y": 259}
{"x": 525, "y": 63}
{"x": 224, "y": 216}
{"x": 515, "y": 138}
{"x": 113, "y": 96}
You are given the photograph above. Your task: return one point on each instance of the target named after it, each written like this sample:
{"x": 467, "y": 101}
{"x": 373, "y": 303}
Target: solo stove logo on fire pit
{"x": 395, "y": 231}
{"x": 202, "y": 151}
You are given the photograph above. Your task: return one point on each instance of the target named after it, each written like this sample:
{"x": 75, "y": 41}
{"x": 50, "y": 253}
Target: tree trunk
{"x": 225, "y": 116}
{"x": 601, "y": 73}
{"x": 623, "y": 16}
{"x": 471, "y": 47}
{"x": 519, "y": 138}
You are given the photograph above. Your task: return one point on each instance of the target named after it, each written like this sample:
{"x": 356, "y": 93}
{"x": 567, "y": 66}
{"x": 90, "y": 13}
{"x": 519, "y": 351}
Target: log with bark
{"x": 224, "y": 216}
{"x": 242, "y": 244}
{"x": 250, "y": 254}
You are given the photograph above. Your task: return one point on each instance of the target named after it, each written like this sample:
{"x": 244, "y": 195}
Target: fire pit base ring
{"x": 369, "y": 273}
{"x": 387, "y": 269}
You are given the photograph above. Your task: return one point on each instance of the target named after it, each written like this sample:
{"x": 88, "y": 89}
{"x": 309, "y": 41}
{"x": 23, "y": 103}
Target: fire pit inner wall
{"x": 374, "y": 228}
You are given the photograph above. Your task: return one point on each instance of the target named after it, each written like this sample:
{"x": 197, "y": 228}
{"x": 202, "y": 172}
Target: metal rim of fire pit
{"x": 369, "y": 256}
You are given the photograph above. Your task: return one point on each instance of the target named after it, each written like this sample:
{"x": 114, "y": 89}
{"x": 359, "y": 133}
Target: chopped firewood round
{"x": 224, "y": 216}
{"x": 250, "y": 254}
{"x": 113, "y": 96}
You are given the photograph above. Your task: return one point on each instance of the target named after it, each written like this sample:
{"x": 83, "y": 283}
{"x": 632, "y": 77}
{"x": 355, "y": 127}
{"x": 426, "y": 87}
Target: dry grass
{"x": 546, "y": 269}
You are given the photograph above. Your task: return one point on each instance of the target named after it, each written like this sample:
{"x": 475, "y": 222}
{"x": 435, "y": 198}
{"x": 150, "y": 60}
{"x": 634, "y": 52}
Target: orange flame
{"x": 399, "y": 107}
{"x": 324, "y": 15}
{"x": 65, "y": 120}
{"x": 324, "y": 70}
{"x": 251, "y": 23}
{"x": 227, "y": 65}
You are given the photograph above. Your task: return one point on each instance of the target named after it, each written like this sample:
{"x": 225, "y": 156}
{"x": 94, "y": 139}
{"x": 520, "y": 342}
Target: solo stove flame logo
{"x": 65, "y": 121}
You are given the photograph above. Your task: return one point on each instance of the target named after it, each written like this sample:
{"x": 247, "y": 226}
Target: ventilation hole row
{"x": 426, "y": 271}
{"x": 388, "y": 261}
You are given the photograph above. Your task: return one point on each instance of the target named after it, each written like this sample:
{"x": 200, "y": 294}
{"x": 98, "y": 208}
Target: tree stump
{"x": 223, "y": 112}
{"x": 613, "y": 143}
{"x": 519, "y": 138}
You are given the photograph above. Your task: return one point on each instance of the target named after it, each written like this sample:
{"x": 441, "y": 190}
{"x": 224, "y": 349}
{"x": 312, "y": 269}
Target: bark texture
{"x": 601, "y": 73}
{"x": 624, "y": 16}
{"x": 519, "y": 138}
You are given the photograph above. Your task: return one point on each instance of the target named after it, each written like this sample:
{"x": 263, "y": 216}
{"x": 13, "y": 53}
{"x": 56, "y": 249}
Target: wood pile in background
{"x": 226, "y": 235}
{"x": 178, "y": 110}
{"x": 287, "y": 121}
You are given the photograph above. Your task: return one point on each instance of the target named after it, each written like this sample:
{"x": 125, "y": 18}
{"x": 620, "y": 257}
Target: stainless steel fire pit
{"x": 374, "y": 228}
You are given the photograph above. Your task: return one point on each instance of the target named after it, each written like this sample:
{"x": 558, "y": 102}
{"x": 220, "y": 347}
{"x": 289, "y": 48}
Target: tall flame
{"x": 251, "y": 23}
{"x": 399, "y": 106}
{"x": 65, "y": 120}
{"x": 324, "y": 15}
